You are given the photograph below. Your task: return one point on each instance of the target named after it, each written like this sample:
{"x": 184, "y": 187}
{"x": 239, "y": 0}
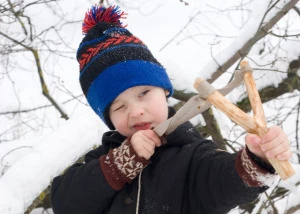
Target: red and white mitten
{"x": 252, "y": 173}
{"x": 121, "y": 165}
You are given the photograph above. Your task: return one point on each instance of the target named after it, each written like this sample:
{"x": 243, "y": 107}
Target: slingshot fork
{"x": 256, "y": 124}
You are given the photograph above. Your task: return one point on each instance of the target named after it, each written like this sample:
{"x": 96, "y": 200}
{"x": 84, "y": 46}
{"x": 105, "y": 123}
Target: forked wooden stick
{"x": 256, "y": 124}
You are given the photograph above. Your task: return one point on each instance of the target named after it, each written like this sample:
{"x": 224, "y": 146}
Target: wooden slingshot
{"x": 256, "y": 124}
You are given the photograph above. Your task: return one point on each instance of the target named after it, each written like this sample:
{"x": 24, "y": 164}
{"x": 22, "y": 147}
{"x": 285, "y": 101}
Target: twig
{"x": 187, "y": 24}
{"x": 9, "y": 152}
{"x": 297, "y": 130}
{"x": 39, "y": 107}
{"x": 243, "y": 51}
{"x": 17, "y": 14}
{"x": 45, "y": 90}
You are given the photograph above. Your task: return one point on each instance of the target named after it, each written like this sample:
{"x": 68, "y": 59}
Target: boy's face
{"x": 139, "y": 108}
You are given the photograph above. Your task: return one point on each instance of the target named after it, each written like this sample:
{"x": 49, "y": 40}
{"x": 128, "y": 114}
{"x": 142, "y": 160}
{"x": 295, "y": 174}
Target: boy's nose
{"x": 136, "y": 111}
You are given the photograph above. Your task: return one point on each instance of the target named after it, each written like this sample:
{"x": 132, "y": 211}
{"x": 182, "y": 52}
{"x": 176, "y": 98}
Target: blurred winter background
{"x": 46, "y": 124}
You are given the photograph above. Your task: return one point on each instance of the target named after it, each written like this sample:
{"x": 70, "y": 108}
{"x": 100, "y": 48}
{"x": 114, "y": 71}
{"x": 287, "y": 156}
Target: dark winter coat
{"x": 188, "y": 175}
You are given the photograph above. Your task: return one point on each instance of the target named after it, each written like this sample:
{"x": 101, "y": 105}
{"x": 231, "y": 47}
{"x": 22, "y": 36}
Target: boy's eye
{"x": 119, "y": 108}
{"x": 144, "y": 93}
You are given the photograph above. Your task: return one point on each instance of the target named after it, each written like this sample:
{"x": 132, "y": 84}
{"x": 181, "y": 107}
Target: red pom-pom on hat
{"x": 99, "y": 13}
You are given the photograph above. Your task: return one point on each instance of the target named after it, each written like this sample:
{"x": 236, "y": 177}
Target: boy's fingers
{"x": 272, "y": 133}
{"x": 271, "y": 145}
{"x": 277, "y": 150}
{"x": 149, "y": 145}
{"x": 253, "y": 139}
{"x": 144, "y": 143}
{"x": 145, "y": 150}
{"x": 285, "y": 155}
{"x": 281, "y": 140}
{"x": 153, "y": 137}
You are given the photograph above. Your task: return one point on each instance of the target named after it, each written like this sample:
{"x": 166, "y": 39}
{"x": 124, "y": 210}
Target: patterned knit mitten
{"x": 121, "y": 165}
{"x": 253, "y": 171}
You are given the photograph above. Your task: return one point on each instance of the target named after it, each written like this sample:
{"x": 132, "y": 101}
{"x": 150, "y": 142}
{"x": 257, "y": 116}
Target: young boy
{"x": 132, "y": 172}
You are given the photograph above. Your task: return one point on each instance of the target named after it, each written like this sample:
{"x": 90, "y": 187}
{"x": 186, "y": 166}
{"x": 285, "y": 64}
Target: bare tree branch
{"x": 16, "y": 14}
{"x": 297, "y": 10}
{"x": 39, "y": 107}
{"x": 45, "y": 90}
{"x": 289, "y": 84}
{"x": 244, "y": 50}
{"x": 297, "y": 130}
{"x": 284, "y": 36}
{"x": 187, "y": 24}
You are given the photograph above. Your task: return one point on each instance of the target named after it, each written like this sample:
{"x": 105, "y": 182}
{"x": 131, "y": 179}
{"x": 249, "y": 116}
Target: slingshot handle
{"x": 255, "y": 125}
{"x": 283, "y": 168}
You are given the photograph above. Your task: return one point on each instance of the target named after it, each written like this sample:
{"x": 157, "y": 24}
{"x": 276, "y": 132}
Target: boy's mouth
{"x": 142, "y": 126}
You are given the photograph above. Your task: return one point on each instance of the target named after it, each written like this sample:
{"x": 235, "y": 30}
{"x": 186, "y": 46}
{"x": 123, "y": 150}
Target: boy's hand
{"x": 144, "y": 143}
{"x": 274, "y": 144}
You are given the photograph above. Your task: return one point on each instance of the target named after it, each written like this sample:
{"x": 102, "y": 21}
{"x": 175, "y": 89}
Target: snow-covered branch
{"x": 47, "y": 159}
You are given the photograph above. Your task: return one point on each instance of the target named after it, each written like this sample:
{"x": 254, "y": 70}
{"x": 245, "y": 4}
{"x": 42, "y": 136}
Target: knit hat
{"x": 112, "y": 60}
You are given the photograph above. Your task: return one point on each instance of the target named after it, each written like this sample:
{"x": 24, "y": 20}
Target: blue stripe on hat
{"x": 121, "y": 76}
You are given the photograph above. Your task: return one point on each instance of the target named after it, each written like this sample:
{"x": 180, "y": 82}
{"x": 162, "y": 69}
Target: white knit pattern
{"x": 254, "y": 173}
{"x": 126, "y": 162}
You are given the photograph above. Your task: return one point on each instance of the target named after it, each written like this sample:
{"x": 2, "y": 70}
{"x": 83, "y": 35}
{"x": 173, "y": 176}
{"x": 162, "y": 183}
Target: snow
{"x": 268, "y": 180}
{"x": 28, "y": 165}
{"x": 46, "y": 159}
{"x": 246, "y": 34}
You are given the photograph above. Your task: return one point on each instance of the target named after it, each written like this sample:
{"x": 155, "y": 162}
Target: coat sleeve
{"x": 224, "y": 180}
{"x": 82, "y": 189}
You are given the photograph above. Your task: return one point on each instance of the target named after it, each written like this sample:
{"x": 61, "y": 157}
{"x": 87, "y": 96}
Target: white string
{"x": 139, "y": 193}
